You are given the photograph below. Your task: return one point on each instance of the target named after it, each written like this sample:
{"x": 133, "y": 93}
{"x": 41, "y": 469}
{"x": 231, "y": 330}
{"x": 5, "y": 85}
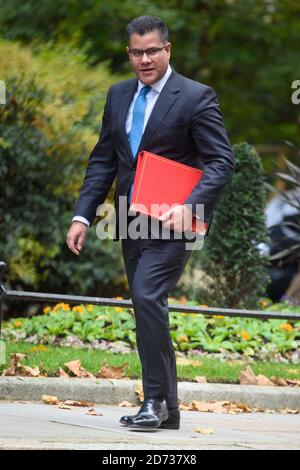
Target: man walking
{"x": 170, "y": 115}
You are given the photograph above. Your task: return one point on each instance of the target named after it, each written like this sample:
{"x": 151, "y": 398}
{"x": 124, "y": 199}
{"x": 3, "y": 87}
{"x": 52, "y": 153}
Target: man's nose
{"x": 145, "y": 58}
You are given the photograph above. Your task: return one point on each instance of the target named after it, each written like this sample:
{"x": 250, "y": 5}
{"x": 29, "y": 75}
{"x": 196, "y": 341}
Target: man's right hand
{"x": 76, "y": 236}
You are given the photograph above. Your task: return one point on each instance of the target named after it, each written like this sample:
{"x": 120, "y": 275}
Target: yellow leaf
{"x": 205, "y": 431}
{"x": 126, "y": 404}
{"x": 112, "y": 372}
{"x": 50, "y": 400}
{"x": 92, "y": 412}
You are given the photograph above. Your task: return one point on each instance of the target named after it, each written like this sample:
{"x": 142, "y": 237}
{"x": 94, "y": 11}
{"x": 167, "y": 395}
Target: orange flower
{"x": 245, "y": 335}
{"x": 286, "y": 327}
{"x": 90, "y": 308}
{"x": 47, "y": 310}
{"x": 78, "y": 309}
{"x": 41, "y": 347}
{"x": 264, "y": 303}
{"x": 182, "y": 339}
{"x": 58, "y": 307}
{"x": 119, "y": 309}
{"x": 17, "y": 323}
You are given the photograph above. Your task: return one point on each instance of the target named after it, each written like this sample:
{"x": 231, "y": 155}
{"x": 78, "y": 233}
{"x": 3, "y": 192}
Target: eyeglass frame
{"x": 143, "y": 51}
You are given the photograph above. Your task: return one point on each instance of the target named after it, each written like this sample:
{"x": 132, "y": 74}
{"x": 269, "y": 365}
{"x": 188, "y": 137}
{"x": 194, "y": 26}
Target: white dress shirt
{"x": 151, "y": 100}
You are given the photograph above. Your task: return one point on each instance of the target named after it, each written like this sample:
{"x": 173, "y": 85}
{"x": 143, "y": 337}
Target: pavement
{"x": 27, "y": 423}
{"x": 40, "y": 426}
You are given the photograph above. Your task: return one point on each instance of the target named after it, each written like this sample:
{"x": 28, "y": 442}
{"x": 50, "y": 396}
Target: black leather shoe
{"x": 153, "y": 412}
{"x": 173, "y": 421}
{"x": 126, "y": 419}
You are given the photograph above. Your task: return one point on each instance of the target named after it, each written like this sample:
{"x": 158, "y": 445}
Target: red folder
{"x": 160, "y": 180}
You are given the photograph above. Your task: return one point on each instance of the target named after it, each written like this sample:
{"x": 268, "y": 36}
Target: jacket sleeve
{"x": 101, "y": 170}
{"x": 214, "y": 149}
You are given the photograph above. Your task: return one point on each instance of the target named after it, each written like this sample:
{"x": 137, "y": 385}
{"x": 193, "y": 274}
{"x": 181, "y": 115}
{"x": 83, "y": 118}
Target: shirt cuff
{"x": 79, "y": 218}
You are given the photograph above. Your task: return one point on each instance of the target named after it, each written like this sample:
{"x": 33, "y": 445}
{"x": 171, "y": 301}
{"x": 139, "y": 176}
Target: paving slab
{"x": 41, "y": 426}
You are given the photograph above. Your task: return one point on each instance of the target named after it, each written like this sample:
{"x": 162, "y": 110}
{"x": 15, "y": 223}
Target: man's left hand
{"x": 179, "y": 218}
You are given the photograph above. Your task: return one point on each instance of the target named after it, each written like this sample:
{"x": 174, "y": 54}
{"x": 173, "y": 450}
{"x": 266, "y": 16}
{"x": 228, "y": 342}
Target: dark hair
{"x": 146, "y": 24}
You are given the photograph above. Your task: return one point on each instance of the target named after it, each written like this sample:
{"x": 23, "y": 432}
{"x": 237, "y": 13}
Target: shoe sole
{"x": 145, "y": 428}
{"x": 163, "y": 425}
{"x": 169, "y": 426}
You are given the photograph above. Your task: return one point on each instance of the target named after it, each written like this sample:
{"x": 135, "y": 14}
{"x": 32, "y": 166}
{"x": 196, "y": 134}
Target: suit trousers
{"x": 153, "y": 267}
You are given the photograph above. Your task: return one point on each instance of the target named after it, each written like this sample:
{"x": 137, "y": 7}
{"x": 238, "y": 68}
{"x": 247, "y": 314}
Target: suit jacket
{"x": 185, "y": 125}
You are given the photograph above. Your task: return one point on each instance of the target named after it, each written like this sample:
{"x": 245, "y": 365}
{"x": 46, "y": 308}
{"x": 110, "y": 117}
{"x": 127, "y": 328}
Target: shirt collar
{"x": 157, "y": 86}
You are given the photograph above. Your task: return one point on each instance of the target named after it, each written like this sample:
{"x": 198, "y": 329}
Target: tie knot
{"x": 145, "y": 90}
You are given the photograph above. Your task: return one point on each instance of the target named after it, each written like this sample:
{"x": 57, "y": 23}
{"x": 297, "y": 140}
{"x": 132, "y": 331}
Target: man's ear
{"x": 169, "y": 48}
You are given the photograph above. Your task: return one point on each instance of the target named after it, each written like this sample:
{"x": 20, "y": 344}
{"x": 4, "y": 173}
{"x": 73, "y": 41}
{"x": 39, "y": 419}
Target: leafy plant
{"x": 48, "y": 125}
{"x": 291, "y": 196}
{"x": 189, "y": 332}
{"x": 235, "y": 268}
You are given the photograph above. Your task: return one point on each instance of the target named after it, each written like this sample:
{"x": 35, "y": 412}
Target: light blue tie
{"x": 136, "y": 131}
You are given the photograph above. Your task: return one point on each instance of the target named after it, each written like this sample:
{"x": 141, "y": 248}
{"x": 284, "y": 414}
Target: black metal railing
{"x": 78, "y": 299}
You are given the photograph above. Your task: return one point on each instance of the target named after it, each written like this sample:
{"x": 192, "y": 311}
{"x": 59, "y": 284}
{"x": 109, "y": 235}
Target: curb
{"x": 112, "y": 392}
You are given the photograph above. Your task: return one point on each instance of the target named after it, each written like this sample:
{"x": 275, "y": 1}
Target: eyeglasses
{"x": 151, "y": 52}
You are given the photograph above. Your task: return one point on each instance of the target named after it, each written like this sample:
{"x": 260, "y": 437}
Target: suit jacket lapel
{"x": 124, "y": 106}
{"x": 164, "y": 102}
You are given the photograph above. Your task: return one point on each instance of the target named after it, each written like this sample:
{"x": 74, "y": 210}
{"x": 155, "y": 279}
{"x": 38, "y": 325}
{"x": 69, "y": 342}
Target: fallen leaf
{"x": 77, "y": 403}
{"x": 293, "y": 382}
{"x": 16, "y": 368}
{"x": 288, "y": 411}
{"x": 263, "y": 381}
{"x": 209, "y": 407}
{"x": 63, "y": 374}
{"x": 247, "y": 377}
{"x": 139, "y": 391}
{"x": 200, "y": 380}
{"x": 219, "y": 407}
{"x": 126, "y": 404}
{"x": 78, "y": 371}
{"x": 93, "y": 412}
{"x": 241, "y": 406}
{"x": 184, "y": 407}
{"x": 50, "y": 400}
{"x": 278, "y": 381}
{"x": 62, "y": 406}
{"x": 74, "y": 367}
{"x": 29, "y": 371}
{"x": 111, "y": 372}
{"x": 257, "y": 410}
{"x": 205, "y": 431}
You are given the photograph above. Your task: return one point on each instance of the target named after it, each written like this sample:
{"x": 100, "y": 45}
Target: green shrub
{"x": 48, "y": 126}
{"x": 234, "y": 267}
{"x": 212, "y": 334}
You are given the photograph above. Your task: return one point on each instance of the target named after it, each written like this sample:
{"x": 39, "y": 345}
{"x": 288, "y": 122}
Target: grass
{"x": 212, "y": 368}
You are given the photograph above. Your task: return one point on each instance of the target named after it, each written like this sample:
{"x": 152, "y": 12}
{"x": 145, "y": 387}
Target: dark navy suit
{"x": 185, "y": 125}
